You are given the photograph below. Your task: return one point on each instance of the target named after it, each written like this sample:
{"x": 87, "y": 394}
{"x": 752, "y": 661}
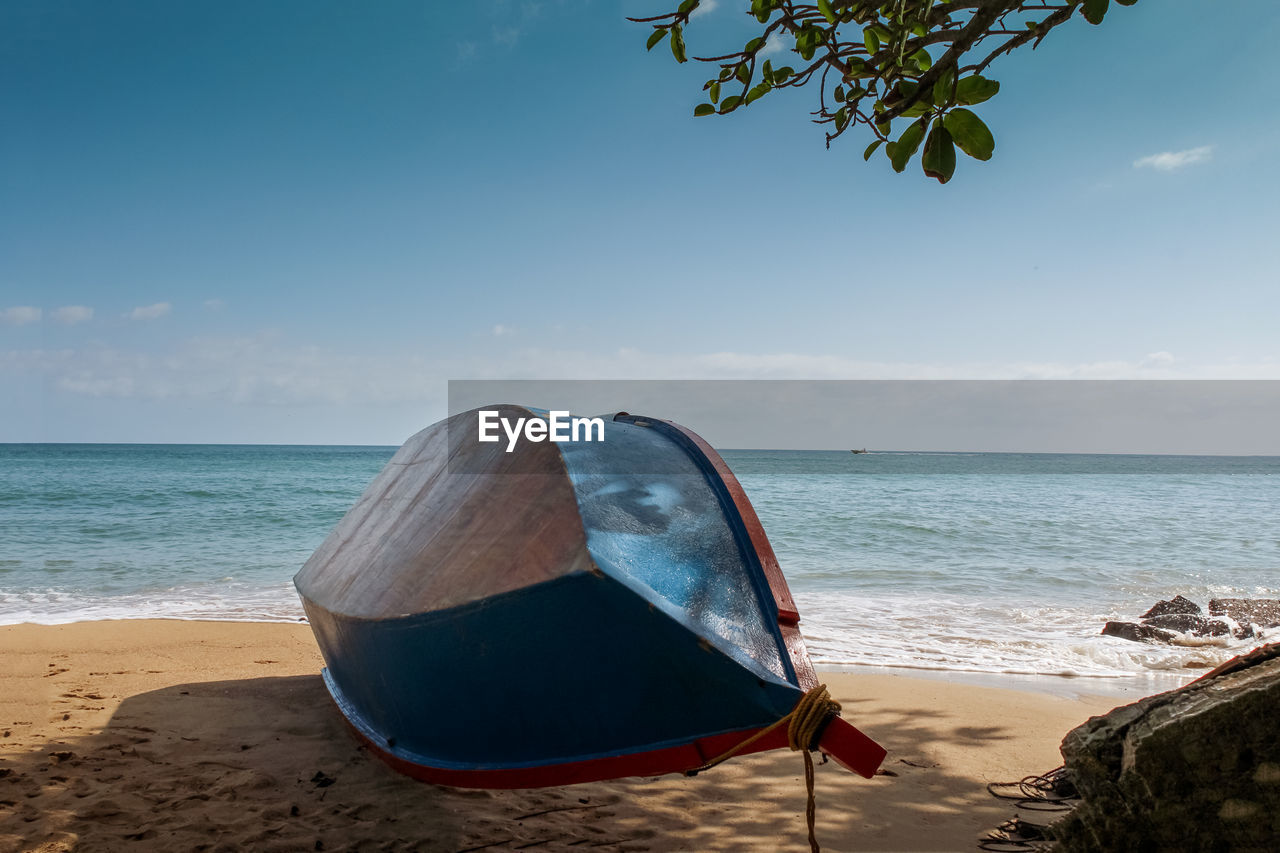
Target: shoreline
{"x": 1131, "y": 686}
{"x": 1124, "y": 689}
{"x": 173, "y": 734}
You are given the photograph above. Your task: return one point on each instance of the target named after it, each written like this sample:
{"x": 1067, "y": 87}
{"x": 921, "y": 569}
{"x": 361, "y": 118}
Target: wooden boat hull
{"x": 629, "y": 622}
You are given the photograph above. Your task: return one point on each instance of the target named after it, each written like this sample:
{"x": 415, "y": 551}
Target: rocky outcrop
{"x": 1177, "y": 604}
{"x": 1179, "y": 620}
{"x": 1187, "y": 623}
{"x": 1135, "y": 632}
{"x": 1195, "y": 769}
{"x": 1262, "y": 612}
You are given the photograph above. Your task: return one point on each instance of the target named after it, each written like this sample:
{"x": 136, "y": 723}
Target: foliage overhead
{"x": 881, "y": 63}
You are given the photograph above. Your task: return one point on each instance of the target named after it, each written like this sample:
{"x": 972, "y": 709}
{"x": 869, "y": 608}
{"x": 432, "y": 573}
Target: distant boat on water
{"x": 562, "y": 612}
{"x": 863, "y": 450}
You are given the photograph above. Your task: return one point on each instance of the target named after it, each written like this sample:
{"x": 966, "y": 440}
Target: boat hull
{"x": 591, "y": 667}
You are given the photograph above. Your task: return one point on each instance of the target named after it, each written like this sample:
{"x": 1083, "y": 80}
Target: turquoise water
{"x": 204, "y": 531}
{"x": 986, "y": 562}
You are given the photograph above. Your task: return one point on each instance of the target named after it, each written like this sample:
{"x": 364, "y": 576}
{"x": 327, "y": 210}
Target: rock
{"x": 1138, "y": 633}
{"x": 1196, "y": 768}
{"x": 1177, "y": 604}
{"x": 1188, "y": 623}
{"x": 1261, "y": 612}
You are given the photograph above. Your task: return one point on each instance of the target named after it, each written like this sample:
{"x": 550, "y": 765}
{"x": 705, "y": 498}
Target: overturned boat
{"x": 522, "y": 613}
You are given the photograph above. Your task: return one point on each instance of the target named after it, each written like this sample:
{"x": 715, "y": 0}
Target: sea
{"x": 950, "y": 562}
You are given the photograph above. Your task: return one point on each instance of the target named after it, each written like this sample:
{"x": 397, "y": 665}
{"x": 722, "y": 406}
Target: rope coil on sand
{"x": 804, "y": 727}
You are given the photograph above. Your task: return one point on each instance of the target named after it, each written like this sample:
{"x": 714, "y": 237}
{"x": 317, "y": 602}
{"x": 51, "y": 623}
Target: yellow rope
{"x": 803, "y": 725}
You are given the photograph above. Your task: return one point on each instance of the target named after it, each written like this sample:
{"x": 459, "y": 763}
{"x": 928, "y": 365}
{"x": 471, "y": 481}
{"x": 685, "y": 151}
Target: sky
{"x": 295, "y": 222}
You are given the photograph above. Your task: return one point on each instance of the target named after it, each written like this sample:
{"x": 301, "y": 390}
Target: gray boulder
{"x": 1194, "y": 769}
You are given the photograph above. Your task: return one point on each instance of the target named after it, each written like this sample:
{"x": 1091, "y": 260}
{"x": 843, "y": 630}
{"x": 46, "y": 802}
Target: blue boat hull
{"x": 638, "y": 626}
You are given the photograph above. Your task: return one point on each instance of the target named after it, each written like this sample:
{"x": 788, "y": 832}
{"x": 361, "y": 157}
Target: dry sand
{"x": 166, "y": 735}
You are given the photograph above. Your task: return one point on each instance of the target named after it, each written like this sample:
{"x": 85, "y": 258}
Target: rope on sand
{"x": 804, "y": 727}
{"x": 1052, "y": 791}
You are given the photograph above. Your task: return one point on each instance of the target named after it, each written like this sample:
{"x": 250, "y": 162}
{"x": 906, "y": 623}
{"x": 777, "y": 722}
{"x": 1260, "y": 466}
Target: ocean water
{"x": 984, "y": 562}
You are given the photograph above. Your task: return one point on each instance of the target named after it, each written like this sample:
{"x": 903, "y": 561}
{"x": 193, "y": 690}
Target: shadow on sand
{"x": 267, "y": 764}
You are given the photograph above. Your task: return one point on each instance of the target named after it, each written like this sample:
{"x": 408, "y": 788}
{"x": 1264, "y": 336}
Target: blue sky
{"x": 295, "y": 221}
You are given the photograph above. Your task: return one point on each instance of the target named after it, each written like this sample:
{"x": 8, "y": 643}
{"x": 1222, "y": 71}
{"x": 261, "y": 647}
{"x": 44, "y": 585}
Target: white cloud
{"x": 150, "y": 312}
{"x": 260, "y": 370}
{"x": 214, "y": 304}
{"x": 506, "y": 35}
{"x": 500, "y": 330}
{"x": 70, "y": 315}
{"x": 777, "y": 43}
{"x": 266, "y": 370}
{"x": 1168, "y": 161}
{"x": 704, "y": 8}
{"x": 20, "y": 315}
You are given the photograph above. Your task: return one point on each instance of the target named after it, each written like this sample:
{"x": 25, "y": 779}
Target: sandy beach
{"x": 173, "y": 735}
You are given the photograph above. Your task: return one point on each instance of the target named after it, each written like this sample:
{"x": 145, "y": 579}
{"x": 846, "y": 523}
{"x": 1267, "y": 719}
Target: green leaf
{"x": 730, "y": 104}
{"x": 704, "y": 110}
{"x": 743, "y": 73}
{"x": 688, "y": 6}
{"x": 939, "y": 160}
{"x": 975, "y": 90}
{"x": 923, "y": 60}
{"x": 871, "y": 149}
{"x": 757, "y": 91}
{"x": 780, "y": 75}
{"x": 715, "y": 92}
{"x": 766, "y": 72}
{"x": 870, "y": 40}
{"x": 824, "y": 6}
{"x": 906, "y": 145}
{"x": 917, "y": 109}
{"x": 655, "y": 37}
{"x": 942, "y": 89}
{"x": 807, "y": 41}
{"x": 839, "y": 93}
{"x": 677, "y": 44}
{"x": 842, "y": 118}
{"x": 1094, "y": 10}
{"x": 754, "y": 45}
{"x": 970, "y": 134}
